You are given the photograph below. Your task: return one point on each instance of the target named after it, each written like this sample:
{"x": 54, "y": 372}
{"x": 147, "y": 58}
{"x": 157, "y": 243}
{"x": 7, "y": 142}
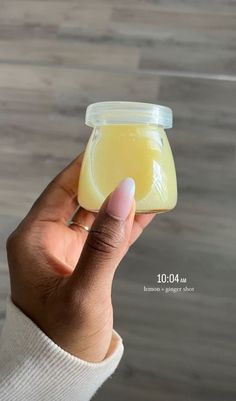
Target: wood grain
{"x": 56, "y": 57}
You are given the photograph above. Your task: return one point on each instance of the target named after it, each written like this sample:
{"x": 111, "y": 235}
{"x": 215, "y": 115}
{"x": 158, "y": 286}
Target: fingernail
{"x": 121, "y": 199}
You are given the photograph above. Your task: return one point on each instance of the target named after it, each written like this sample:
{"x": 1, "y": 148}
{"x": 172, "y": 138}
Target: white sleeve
{"x": 34, "y": 368}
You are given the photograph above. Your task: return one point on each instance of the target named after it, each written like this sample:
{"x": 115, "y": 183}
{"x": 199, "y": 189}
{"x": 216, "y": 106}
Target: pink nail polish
{"x": 121, "y": 199}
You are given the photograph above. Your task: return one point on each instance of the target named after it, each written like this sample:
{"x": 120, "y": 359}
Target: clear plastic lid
{"x": 110, "y": 113}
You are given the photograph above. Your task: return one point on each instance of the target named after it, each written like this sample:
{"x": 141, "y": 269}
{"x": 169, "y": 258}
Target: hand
{"x": 61, "y": 276}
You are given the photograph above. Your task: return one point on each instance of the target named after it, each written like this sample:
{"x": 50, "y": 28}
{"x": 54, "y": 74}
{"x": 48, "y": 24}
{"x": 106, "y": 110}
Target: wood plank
{"x": 56, "y": 57}
{"x": 72, "y": 54}
{"x": 190, "y": 38}
{"x": 69, "y": 88}
{"x": 54, "y": 14}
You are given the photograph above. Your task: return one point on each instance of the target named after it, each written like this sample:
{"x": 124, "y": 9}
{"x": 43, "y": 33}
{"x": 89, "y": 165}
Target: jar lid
{"x": 114, "y": 113}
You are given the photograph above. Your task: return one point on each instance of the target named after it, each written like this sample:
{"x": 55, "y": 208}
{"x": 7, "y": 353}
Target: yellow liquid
{"x": 142, "y": 152}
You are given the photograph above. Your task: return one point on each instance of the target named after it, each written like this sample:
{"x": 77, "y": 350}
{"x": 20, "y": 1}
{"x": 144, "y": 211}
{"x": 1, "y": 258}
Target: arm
{"x": 34, "y": 368}
{"x": 58, "y": 342}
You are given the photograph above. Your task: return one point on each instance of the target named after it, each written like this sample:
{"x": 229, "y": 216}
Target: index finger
{"x": 141, "y": 221}
{"x": 59, "y": 199}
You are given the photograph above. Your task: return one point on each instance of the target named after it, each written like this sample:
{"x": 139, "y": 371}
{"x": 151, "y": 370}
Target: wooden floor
{"x": 58, "y": 56}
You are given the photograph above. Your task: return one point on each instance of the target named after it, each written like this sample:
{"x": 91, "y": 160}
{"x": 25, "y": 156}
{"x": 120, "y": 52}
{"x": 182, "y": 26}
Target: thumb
{"x": 107, "y": 241}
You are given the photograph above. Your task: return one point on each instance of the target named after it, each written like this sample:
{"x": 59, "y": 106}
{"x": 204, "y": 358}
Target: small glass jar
{"x": 128, "y": 140}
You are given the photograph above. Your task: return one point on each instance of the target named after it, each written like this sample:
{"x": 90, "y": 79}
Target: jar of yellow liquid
{"x": 128, "y": 140}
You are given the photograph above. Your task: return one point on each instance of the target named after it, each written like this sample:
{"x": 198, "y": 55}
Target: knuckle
{"x": 105, "y": 240}
{"x": 18, "y": 240}
{"x": 11, "y": 242}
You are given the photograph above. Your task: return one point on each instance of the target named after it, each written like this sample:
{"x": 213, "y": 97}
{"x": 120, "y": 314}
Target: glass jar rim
{"x": 122, "y": 112}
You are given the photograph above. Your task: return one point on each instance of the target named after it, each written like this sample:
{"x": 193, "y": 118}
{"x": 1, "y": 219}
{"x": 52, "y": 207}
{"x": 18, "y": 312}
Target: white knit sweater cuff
{"x": 34, "y": 368}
